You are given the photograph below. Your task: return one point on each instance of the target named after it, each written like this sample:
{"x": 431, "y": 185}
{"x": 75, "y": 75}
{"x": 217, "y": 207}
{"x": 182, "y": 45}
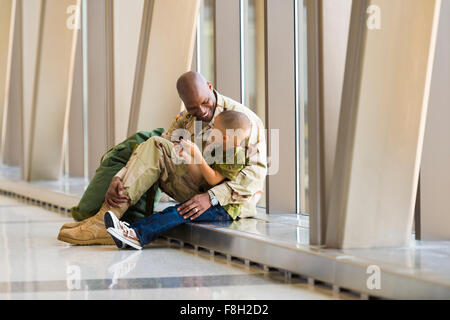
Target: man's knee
{"x": 158, "y": 141}
{"x": 153, "y": 143}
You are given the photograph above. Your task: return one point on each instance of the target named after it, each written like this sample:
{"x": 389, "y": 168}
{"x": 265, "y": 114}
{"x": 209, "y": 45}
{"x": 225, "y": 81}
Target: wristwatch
{"x": 212, "y": 198}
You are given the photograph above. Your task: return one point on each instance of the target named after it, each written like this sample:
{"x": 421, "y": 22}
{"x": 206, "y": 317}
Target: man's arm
{"x": 251, "y": 179}
{"x": 247, "y": 183}
{"x": 179, "y": 123}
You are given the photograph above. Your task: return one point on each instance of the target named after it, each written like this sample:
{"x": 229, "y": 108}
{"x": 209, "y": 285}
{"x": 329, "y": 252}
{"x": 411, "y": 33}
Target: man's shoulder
{"x": 183, "y": 115}
{"x": 183, "y": 118}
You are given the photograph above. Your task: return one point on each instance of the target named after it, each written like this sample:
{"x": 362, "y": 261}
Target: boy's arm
{"x": 195, "y": 172}
{"x": 250, "y": 180}
{"x": 213, "y": 177}
{"x": 197, "y": 164}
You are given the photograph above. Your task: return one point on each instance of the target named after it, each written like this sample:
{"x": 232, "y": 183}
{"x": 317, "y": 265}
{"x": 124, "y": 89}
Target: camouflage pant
{"x": 155, "y": 161}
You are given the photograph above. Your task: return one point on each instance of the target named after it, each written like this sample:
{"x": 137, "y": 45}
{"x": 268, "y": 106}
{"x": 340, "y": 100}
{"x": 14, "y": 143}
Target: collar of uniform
{"x": 220, "y": 101}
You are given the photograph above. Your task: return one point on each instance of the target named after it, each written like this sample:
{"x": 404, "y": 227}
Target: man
{"x": 152, "y": 164}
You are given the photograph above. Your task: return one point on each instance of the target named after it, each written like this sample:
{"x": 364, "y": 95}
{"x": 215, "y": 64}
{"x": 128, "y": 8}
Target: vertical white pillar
{"x": 10, "y": 85}
{"x": 435, "y": 170}
{"x": 171, "y": 37}
{"x": 5, "y": 31}
{"x": 52, "y": 88}
{"x": 127, "y": 17}
{"x": 382, "y": 121}
{"x": 31, "y": 26}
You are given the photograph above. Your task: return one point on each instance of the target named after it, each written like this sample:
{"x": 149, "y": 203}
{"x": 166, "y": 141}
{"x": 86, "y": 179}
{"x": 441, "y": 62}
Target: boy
{"x": 233, "y": 127}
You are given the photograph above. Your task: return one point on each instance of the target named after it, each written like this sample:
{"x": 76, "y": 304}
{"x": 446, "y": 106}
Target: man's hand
{"x": 115, "y": 196}
{"x": 195, "y": 207}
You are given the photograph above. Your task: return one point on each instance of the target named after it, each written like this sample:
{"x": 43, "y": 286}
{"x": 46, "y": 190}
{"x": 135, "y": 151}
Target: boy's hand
{"x": 190, "y": 152}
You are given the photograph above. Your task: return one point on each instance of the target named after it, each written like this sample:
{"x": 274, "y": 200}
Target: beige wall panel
{"x": 170, "y": 49}
{"x": 382, "y": 125}
{"x": 12, "y": 133}
{"x": 5, "y": 24}
{"x": 12, "y": 155}
{"x": 53, "y": 81}
{"x": 228, "y": 49}
{"x": 435, "y": 170}
{"x": 127, "y": 26}
{"x": 31, "y": 16}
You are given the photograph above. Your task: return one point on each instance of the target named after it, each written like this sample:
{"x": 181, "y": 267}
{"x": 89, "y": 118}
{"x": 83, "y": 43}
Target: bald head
{"x": 191, "y": 83}
{"x": 197, "y": 95}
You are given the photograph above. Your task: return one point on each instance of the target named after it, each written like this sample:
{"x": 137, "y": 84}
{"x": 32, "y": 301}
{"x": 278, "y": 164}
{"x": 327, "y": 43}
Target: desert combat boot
{"x": 75, "y": 224}
{"x": 90, "y": 231}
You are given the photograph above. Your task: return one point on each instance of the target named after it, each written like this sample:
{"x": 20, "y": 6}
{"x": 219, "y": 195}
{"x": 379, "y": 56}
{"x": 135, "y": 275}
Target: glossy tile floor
{"x": 35, "y": 265}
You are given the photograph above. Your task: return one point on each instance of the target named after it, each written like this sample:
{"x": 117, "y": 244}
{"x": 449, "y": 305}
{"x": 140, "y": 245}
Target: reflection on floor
{"x": 35, "y": 265}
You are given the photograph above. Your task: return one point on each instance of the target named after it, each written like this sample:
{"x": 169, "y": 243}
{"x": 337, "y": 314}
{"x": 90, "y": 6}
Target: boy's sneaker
{"x": 125, "y": 235}
{"x": 111, "y": 221}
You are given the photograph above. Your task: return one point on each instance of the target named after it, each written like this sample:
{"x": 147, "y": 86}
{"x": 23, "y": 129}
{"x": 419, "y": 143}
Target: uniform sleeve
{"x": 229, "y": 171}
{"x": 250, "y": 179}
{"x": 178, "y": 123}
{"x": 121, "y": 173}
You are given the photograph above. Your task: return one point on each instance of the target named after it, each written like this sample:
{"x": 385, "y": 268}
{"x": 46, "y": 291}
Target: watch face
{"x": 213, "y": 199}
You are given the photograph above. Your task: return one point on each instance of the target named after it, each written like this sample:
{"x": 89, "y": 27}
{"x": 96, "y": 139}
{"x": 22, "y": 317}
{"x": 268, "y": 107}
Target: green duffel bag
{"x": 112, "y": 161}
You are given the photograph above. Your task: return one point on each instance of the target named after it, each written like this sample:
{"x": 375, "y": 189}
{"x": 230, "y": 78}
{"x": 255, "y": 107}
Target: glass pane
{"x": 205, "y": 41}
{"x": 253, "y": 60}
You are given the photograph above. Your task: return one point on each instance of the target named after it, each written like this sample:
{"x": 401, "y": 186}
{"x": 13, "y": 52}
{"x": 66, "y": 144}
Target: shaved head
{"x": 197, "y": 95}
{"x": 191, "y": 83}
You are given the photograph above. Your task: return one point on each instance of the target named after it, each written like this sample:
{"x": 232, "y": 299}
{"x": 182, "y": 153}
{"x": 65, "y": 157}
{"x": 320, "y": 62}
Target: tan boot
{"x": 90, "y": 231}
{"x": 70, "y": 225}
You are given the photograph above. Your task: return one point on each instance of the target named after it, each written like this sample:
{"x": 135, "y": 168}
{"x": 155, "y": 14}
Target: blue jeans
{"x": 159, "y": 223}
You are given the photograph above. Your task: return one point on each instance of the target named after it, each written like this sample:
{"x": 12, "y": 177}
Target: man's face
{"x": 201, "y": 104}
